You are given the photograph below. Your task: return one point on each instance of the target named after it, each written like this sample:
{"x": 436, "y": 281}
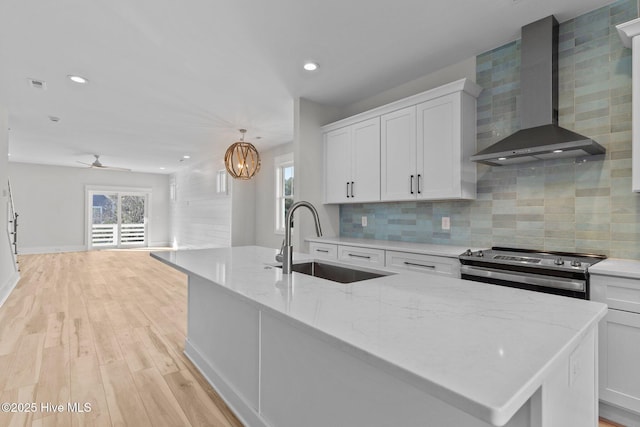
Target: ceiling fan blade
{"x": 83, "y": 163}
{"x": 115, "y": 168}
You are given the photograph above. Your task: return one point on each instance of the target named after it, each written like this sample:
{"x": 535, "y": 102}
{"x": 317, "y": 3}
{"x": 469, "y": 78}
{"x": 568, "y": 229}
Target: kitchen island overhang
{"x": 482, "y": 353}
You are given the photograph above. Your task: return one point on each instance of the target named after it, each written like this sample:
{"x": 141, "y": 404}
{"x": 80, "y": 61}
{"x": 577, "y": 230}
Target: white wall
{"x": 266, "y": 197}
{"x": 243, "y": 208}
{"x": 463, "y": 69}
{"x": 308, "y": 157}
{"x": 51, "y": 202}
{"x": 200, "y": 217}
{"x": 8, "y": 275}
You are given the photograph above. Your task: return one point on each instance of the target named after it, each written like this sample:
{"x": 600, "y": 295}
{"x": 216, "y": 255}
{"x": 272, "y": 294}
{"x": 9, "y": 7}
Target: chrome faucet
{"x": 286, "y": 252}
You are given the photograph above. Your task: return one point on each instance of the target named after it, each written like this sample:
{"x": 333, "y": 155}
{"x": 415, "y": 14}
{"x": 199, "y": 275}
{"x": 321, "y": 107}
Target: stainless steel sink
{"x": 334, "y": 272}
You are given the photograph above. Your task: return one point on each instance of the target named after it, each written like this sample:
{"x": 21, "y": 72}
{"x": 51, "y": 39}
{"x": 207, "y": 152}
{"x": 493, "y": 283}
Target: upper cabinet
{"x": 424, "y": 141}
{"x": 629, "y": 32}
{"x": 352, "y": 163}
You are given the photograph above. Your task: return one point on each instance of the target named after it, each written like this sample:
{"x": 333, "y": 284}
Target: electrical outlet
{"x": 574, "y": 368}
{"x": 446, "y": 223}
{"x": 364, "y": 221}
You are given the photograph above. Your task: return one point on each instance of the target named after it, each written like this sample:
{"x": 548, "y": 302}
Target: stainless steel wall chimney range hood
{"x": 540, "y": 137}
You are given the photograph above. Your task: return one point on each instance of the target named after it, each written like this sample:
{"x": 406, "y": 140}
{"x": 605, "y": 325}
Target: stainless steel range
{"x": 559, "y": 273}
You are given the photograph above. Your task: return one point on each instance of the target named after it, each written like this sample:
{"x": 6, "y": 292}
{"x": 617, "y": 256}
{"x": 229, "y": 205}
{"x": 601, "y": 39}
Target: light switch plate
{"x": 364, "y": 221}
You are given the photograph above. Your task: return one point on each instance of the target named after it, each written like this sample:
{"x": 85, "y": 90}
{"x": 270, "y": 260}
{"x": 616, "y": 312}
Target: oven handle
{"x": 526, "y": 278}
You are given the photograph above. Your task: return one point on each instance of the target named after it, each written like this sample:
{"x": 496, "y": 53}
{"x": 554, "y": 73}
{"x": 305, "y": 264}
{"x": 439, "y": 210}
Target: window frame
{"x": 282, "y": 162}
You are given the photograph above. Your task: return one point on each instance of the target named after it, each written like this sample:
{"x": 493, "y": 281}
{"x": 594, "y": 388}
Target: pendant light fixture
{"x": 242, "y": 159}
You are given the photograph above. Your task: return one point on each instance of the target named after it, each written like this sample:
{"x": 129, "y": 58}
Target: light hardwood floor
{"x": 105, "y": 328}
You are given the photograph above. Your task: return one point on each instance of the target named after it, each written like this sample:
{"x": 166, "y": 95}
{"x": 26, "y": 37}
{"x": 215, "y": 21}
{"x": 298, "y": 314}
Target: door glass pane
{"x": 104, "y": 219}
{"x": 132, "y": 220}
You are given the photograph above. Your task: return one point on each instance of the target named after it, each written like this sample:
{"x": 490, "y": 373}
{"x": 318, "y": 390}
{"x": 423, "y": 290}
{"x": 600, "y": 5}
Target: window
{"x": 284, "y": 189}
{"x": 221, "y": 181}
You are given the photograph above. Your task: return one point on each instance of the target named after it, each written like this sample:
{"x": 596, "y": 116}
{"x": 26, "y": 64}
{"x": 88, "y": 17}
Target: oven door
{"x": 574, "y": 288}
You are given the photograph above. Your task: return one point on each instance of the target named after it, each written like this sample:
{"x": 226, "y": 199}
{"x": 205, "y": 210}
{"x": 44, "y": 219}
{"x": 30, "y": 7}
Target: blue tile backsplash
{"x": 555, "y": 204}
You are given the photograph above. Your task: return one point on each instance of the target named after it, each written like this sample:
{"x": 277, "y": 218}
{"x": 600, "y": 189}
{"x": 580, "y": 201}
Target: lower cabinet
{"x": 372, "y": 257}
{"x": 361, "y": 256}
{"x": 423, "y": 263}
{"x": 323, "y": 250}
{"x": 619, "y": 341}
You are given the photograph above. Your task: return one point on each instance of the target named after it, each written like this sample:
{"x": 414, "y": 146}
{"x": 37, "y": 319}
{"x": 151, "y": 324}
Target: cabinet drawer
{"x": 362, "y": 256}
{"x": 323, "y": 250}
{"x": 422, "y": 263}
{"x": 617, "y": 292}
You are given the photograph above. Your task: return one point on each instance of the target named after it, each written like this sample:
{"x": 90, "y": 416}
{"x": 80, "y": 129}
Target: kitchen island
{"x": 404, "y": 349}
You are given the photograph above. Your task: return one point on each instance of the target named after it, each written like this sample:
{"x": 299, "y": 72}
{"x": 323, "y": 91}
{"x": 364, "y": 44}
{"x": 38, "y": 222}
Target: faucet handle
{"x": 279, "y": 256}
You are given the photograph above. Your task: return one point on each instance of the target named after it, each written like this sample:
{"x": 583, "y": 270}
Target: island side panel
{"x": 313, "y": 382}
{"x": 570, "y": 392}
{"x": 223, "y": 335}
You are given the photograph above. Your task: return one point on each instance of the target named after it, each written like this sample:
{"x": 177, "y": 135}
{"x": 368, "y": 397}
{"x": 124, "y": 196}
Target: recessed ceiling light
{"x": 162, "y": 169}
{"x": 54, "y": 119}
{"x": 186, "y": 156}
{"x": 558, "y": 151}
{"x": 502, "y": 158}
{"x": 77, "y": 79}
{"x": 310, "y": 66}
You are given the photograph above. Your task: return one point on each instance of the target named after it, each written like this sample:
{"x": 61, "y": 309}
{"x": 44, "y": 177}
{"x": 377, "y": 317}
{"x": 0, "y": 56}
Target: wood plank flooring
{"x": 105, "y": 328}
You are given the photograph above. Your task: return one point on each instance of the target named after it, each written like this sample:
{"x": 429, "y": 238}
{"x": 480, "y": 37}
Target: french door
{"x": 117, "y": 219}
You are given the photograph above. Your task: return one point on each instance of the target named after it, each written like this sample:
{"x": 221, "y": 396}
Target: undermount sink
{"x": 334, "y": 272}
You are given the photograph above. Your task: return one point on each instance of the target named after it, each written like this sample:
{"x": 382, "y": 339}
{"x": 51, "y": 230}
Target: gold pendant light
{"x": 242, "y": 159}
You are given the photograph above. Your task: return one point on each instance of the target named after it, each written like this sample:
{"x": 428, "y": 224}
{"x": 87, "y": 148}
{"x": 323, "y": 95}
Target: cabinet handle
{"x": 419, "y": 183}
{"x": 360, "y": 256}
{"x": 324, "y": 251}
{"x": 352, "y": 189}
{"x": 411, "y": 185}
{"x": 420, "y": 265}
{"x": 348, "y": 190}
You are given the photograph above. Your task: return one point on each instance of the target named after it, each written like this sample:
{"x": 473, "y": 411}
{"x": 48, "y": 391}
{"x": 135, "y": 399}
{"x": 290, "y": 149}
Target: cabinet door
{"x": 619, "y": 353}
{"x": 337, "y": 165}
{"x": 398, "y": 155}
{"x": 438, "y": 148}
{"x": 365, "y": 161}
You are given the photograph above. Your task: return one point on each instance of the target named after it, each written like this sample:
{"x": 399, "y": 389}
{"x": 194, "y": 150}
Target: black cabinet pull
{"x": 360, "y": 256}
{"x": 419, "y": 183}
{"x": 324, "y": 251}
{"x": 348, "y": 190}
{"x": 419, "y": 265}
{"x": 411, "y": 185}
{"x": 352, "y": 189}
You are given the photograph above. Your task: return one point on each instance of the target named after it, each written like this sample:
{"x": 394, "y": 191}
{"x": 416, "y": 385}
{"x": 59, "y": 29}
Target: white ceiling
{"x": 169, "y": 78}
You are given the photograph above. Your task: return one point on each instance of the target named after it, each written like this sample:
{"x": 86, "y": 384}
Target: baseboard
{"x": 8, "y": 287}
{"x": 50, "y": 249}
{"x": 619, "y": 415}
{"x": 247, "y": 415}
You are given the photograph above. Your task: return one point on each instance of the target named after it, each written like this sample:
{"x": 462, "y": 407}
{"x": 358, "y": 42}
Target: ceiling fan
{"x": 98, "y": 165}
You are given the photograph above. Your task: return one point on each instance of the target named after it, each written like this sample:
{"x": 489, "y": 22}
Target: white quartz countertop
{"x": 390, "y": 245}
{"x": 617, "y": 267}
{"x": 481, "y": 348}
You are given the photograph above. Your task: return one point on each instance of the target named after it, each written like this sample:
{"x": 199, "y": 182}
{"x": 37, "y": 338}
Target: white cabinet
{"x": 629, "y": 32}
{"x": 424, "y": 144}
{"x": 423, "y": 263}
{"x": 425, "y": 150}
{"x": 323, "y": 250}
{"x": 361, "y": 256}
{"x": 446, "y": 139}
{"x": 619, "y": 340}
{"x": 352, "y": 163}
{"x": 399, "y": 151}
